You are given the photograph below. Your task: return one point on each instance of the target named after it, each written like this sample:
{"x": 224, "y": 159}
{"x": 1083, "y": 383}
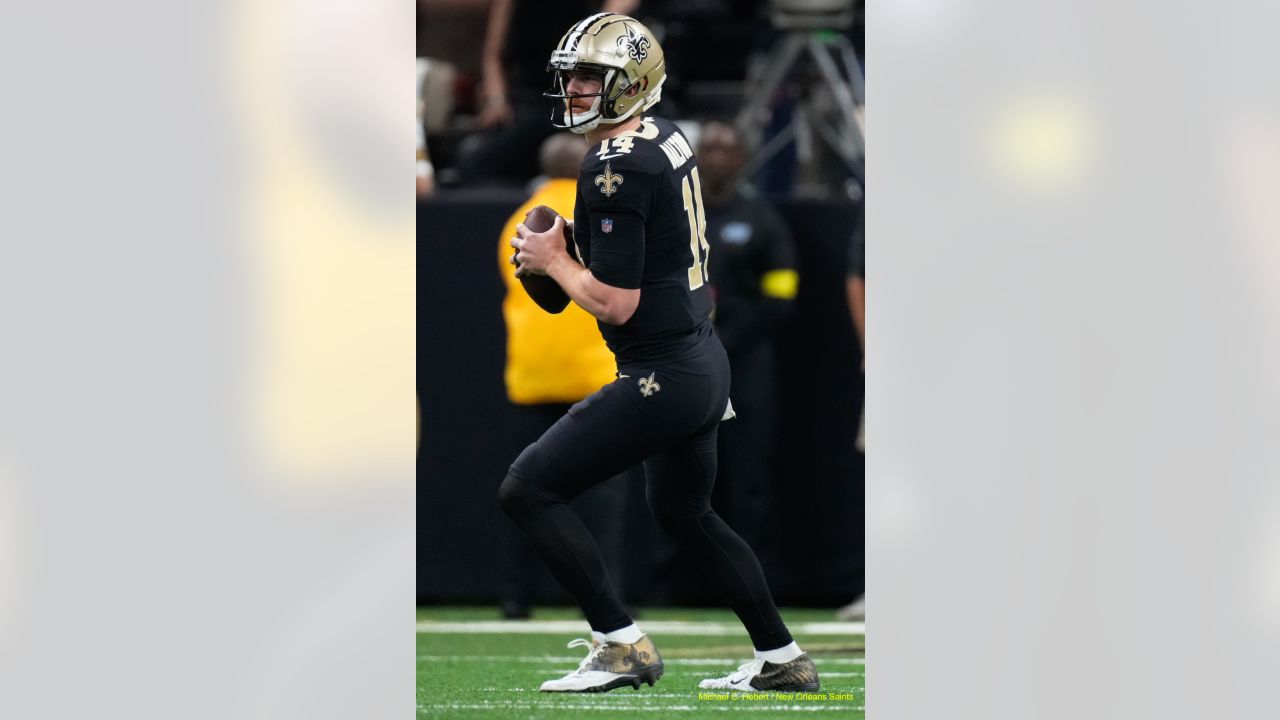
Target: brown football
{"x": 544, "y": 290}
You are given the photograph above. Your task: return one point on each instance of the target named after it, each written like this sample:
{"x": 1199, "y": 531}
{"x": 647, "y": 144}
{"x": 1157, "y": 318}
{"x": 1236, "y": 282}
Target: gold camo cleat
{"x": 762, "y": 676}
{"x": 610, "y": 665}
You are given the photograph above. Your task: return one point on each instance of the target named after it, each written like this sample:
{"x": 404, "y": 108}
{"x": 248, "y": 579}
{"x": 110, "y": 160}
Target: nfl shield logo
{"x": 606, "y": 225}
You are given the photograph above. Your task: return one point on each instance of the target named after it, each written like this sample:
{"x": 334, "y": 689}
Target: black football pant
{"x": 665, "y": 416}
{"x": 744, "y": 488}
{"x": 601, "y": 507}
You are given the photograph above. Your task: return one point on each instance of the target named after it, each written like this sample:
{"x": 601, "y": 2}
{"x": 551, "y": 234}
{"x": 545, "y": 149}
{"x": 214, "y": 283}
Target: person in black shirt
{"x": 754, "y": 281}
{"x": 856, "y": 291}
{"x": 640, "y": 267}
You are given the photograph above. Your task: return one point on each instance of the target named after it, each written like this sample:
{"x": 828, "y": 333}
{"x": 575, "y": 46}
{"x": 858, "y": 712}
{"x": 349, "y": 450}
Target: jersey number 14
{"x": 697, "y": 230}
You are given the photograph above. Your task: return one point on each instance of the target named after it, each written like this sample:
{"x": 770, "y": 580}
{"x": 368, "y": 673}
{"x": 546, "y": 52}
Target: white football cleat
{"x": 760, "y": 675}
{"x": 610, "y": 665}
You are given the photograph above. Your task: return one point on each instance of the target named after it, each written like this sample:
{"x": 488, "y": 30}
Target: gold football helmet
{"x": 621, "y": 50}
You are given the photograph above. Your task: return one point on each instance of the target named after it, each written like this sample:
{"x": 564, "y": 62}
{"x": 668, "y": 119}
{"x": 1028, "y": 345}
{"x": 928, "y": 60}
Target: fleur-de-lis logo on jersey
{"x": 608, "y": 182}
{"x": 648, "y": 386}
{"x": 636, "y": 45}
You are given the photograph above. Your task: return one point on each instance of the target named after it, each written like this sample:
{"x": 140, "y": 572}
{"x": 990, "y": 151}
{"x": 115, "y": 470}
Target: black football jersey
{"x": 639, "y": 223}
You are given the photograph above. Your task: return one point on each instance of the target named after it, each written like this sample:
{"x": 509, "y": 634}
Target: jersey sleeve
{"x": 619, "y": 194}
{"x": 617, "y": 247}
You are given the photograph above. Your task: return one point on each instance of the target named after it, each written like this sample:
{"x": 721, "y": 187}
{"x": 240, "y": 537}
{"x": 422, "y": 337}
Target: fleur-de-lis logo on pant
{"x": 648, "y": 386}
{"x": 608, "y": 182}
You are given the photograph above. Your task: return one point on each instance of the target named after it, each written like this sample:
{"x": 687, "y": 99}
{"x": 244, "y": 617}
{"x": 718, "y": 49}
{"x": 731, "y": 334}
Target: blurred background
{"x": 771, "y": 96}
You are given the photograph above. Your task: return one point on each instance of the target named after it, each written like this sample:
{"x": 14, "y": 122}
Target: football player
{"x": 641, "y": 270}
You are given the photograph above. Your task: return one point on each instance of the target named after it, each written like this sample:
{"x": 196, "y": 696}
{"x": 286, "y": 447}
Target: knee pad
{"x": 675, "y": 514}
{"x": 677, "y": 525}
{"x": 511, "y": 493}
{"x": 518, "y": 495}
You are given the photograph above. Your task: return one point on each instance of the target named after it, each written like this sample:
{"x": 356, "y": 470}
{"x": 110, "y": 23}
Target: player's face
{"x": 579, "y": 82}
{"x": 719, "y": 153}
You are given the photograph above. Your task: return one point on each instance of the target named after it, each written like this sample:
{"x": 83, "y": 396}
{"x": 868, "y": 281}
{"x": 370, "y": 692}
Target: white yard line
{"x": 670, "y": 662}
{"x": 728, "y": 706}
{"x": 668, "y": 627}
{"x": 677, "y": 662}
{"x": 502, "y": 658}
{"x": 622, "y": 694}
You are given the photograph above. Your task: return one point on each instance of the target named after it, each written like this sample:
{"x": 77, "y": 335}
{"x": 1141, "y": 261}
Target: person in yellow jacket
{"x": 553, "y": 361}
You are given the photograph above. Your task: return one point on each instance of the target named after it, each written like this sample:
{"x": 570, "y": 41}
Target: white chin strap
{"x": 592, "y": 116}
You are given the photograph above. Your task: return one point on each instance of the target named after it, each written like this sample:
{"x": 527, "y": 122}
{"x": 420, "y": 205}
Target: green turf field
{"x": 471, "y": 665}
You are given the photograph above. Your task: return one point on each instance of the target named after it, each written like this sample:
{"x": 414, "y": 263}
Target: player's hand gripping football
{"x": 536, "y": 251}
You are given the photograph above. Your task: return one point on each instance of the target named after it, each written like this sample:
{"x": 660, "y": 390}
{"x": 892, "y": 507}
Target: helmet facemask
{"x": 580, "y": 121}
